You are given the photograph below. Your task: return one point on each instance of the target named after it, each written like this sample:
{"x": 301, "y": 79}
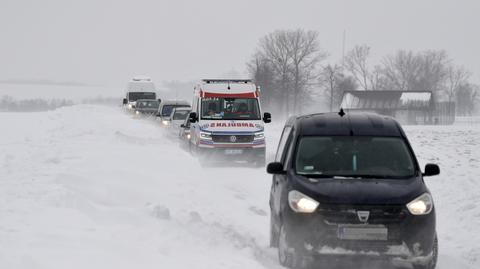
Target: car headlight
{"x": 301, "y": 203}
{"x": 188, "y": 136}
{"x": 204, "y": 135}
{"x": 259, "y": 135}
{"x": 422, "y": 205}
{"x": 129, "y": 106}
{"x": 166, "y": 122}
{"x": 137, "y": 112}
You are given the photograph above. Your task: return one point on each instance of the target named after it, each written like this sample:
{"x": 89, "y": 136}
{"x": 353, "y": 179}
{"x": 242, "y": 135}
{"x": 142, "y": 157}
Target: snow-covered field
{"x": 92, "y": 187}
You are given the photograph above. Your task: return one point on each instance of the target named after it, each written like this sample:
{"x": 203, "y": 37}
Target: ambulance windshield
{"x": 230, "y": 109}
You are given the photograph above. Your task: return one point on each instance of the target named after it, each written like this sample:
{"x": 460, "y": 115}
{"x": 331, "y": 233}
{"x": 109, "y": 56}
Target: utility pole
{"x": 343, "y": 48}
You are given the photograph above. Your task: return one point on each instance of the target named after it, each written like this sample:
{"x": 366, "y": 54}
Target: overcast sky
{"x": 107, "y": 42}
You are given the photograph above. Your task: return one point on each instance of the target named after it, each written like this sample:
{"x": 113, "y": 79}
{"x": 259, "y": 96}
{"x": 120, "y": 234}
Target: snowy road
{"x": 91, "y": 187}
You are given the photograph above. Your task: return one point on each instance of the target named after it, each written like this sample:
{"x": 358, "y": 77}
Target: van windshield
{"x": 180, "y": 114}
{"x": 350, "y": 156}
{"x": 230, "y": 109}
{"x": 134, "y": 96}
{"x": 148, "y": 104}
{"x": 167, "y": 109}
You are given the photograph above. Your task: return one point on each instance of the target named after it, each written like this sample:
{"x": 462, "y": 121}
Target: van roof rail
{"x": 212, "y": 81}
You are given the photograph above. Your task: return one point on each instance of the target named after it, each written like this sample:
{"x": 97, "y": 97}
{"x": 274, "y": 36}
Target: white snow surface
{"x": 93, "y": 187}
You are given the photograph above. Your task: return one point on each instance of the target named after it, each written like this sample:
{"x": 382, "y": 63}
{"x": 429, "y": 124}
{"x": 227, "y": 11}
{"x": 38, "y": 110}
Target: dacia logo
{"x": 363, "y": 216}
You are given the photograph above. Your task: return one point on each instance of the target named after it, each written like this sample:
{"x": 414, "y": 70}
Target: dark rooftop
{"x": 353, "y": 123}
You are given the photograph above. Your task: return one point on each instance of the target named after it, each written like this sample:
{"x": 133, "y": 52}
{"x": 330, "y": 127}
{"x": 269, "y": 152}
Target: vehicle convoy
{"x": 139, "y": 87}
{"x": 146, "y": 107}
{"x": 166, "y": 108}
{"x": 348, "y": 187}
{"x": 226, "y": 121}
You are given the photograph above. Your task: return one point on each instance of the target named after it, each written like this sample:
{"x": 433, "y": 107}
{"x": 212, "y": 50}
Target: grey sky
{"x": 107, "y": 42}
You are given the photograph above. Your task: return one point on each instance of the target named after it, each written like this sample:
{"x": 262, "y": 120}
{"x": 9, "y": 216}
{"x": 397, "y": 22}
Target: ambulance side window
{"x": 283, "y": 141}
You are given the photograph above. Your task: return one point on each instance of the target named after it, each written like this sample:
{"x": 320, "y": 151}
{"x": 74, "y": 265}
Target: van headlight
{"x": 259, "y": 135}
{"x": 301, "y": 203}
{"x": 205, "y": 135}
{"x": 422, "y": 205}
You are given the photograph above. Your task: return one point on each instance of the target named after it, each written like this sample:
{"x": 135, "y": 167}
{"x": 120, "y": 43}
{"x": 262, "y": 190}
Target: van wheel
{"x": 287, "y": 255}
{"x": 433, "y": 262}
{"x": 273, "y": 233}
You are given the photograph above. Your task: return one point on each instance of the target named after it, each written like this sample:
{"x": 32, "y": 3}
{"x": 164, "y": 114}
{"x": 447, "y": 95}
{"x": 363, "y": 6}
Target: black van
{"x": 348, "y": 187}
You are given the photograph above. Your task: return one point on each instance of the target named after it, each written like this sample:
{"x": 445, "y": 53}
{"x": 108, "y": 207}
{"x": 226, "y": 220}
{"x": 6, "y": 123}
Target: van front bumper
{"x": 409, "y": 240}
{"x": 236, "y": 152}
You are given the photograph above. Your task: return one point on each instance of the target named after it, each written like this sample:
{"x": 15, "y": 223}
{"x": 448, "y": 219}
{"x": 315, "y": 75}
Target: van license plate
{"x": 363, "y": 233}
{"x": 233, "y": 151}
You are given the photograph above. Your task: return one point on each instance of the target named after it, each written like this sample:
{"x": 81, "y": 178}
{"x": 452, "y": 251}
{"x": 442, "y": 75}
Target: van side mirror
{"x": 431, "y": 170}
{"x": 275, "y": 168}
{"x": 125, "y": 101}
{"x": 193, "y": 117}
{"x": 267, "y": 117}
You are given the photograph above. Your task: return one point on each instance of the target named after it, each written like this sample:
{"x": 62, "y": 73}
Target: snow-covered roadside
{"x": 90, "y": 187}
{"x": 456, "y": 149}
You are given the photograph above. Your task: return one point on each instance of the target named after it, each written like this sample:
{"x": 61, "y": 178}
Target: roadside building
{"x": 408, "y": 107}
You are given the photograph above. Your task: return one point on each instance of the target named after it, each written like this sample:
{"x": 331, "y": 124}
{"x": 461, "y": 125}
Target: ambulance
{"x": 226, "y": 122}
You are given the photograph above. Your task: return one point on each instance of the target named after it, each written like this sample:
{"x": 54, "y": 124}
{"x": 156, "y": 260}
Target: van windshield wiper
{"x": 347, "y": 176}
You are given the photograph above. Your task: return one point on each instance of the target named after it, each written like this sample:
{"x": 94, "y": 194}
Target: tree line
{"x": 8, "y": 103}
{"x": 292, "y": 71}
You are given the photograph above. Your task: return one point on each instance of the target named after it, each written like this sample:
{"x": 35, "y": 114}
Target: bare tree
{"x": 293, "y": 57}
{"x": 434, "y": 69}
{"x": 264, "y": 76}
{"x": 329, "y": 77}
{"x": 456, "y": 77}
{"x": 467, "y": 96}
{"x": 336, "y": 83}
{"x": 305, "y": 55}
{"x": 356, "y": 64}
{"x": 401, "y": 70}
{"x": 409, "y": 71}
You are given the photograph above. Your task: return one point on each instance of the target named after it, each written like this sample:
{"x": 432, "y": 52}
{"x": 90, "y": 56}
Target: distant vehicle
{"x": 227, "y": 122}
{"x": 184, "y": 133}
{"x": 166, "y": 108}
{"x": 139, "y": 87}
{"x": 177, "y": 118}
{"x": 350, "y": 187}
{"x": 146, "y": 107}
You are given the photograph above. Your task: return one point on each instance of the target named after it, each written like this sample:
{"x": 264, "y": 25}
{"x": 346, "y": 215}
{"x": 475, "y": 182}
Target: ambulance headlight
{"x": 259, "y": 135}
{"x": 301, "y": 203}
{"x": 422, "y": 205}
{"x": 204, "y": 135}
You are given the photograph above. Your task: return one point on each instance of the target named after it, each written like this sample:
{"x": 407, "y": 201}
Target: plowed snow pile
{"x": 92, "y": 187}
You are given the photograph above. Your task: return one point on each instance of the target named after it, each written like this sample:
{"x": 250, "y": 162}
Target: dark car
{"x": 348, "y": 187}
{"x": 146, "y": 107}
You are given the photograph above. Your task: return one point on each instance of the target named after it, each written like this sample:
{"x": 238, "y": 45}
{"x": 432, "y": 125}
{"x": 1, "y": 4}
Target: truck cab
{"x": 139, "y": 88}
{"x": 227, "y": 121}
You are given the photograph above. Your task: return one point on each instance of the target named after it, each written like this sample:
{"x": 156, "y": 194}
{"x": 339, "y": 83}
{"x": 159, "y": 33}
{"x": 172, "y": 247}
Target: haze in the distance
{"x": 107, "y": 42}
